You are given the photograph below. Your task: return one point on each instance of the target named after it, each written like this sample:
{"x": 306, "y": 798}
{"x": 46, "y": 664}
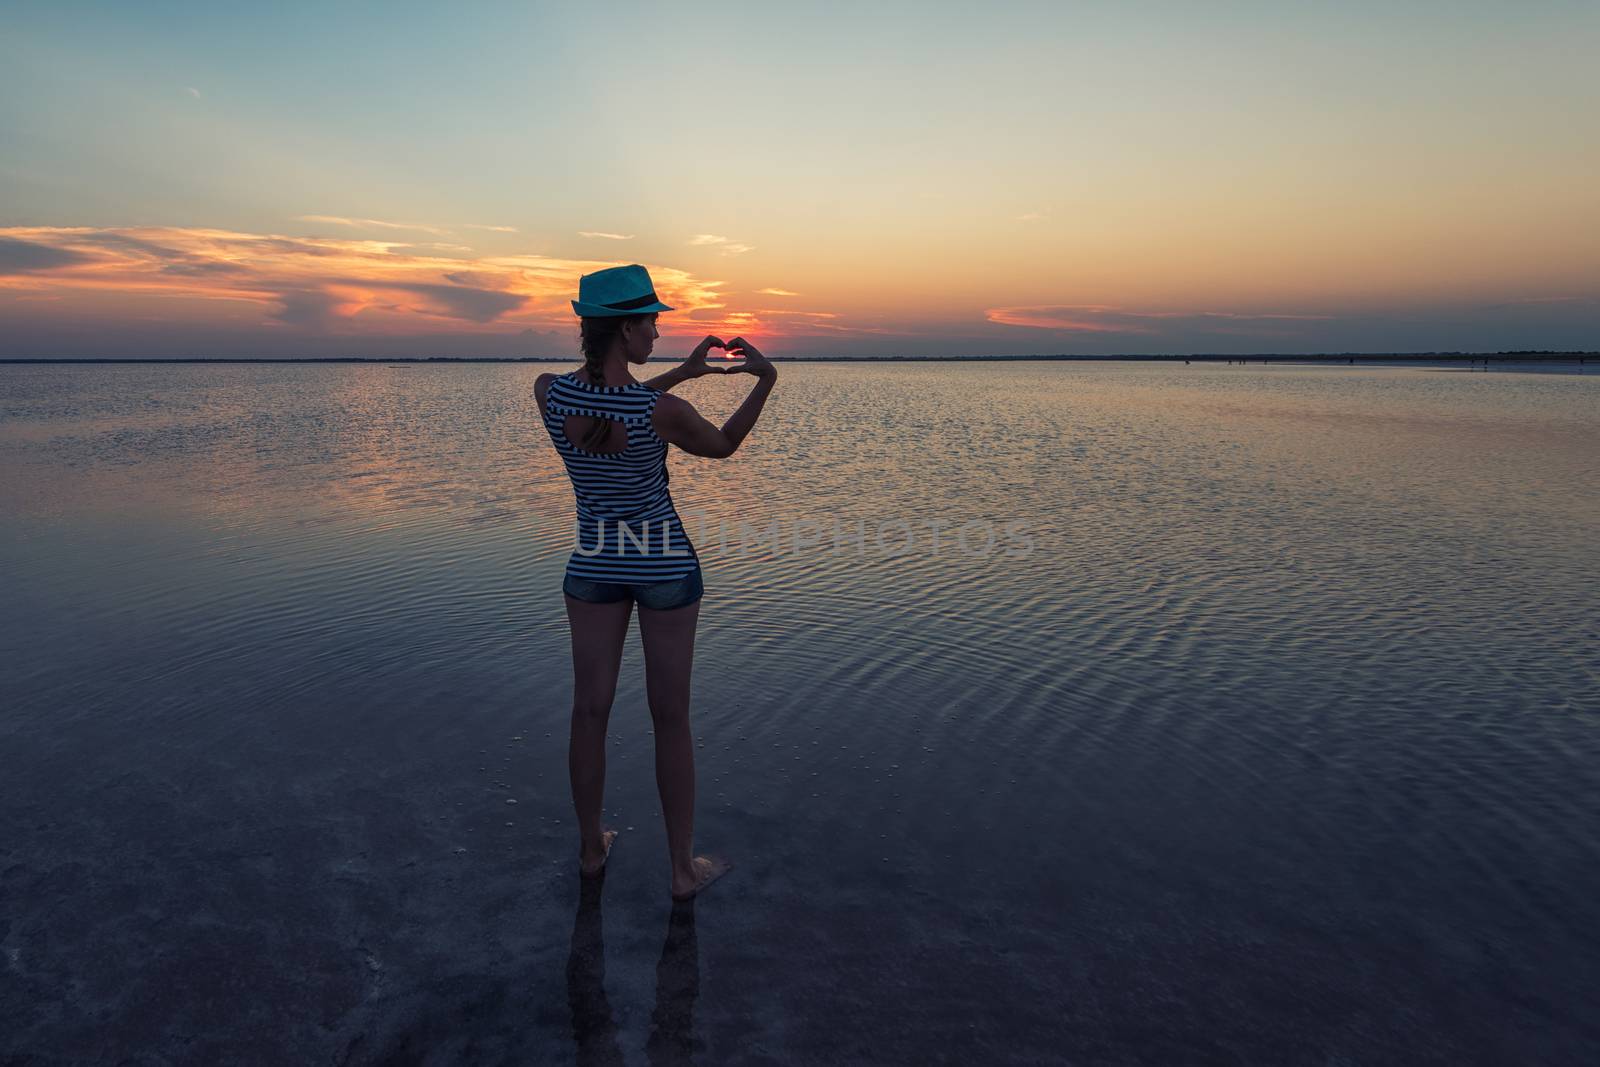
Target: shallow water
{"x": 1269, "y": 730}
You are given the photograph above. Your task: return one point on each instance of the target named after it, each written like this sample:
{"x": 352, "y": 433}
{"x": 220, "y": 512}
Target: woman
{"x": 612, "y": 432}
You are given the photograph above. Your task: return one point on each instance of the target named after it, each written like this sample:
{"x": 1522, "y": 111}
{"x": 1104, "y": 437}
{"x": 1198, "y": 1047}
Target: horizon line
{"x": 1519, "y": 355}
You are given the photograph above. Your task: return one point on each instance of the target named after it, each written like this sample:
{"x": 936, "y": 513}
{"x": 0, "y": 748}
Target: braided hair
{"x": 595, "y": 334}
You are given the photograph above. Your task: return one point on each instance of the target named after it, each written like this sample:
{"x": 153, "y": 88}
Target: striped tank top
{"x": 628, "y": 530}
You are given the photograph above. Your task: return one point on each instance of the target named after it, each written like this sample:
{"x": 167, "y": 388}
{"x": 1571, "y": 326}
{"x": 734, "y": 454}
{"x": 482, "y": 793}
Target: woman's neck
{"x": 614, "y": 371}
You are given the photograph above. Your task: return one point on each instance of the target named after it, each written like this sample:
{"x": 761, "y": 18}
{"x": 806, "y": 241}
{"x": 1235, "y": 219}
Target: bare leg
{"x": 668, "y": 664}
{"x": 598, "y": 631}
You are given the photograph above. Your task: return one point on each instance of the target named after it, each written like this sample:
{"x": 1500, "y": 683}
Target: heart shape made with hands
{"x": 727, "y": 353}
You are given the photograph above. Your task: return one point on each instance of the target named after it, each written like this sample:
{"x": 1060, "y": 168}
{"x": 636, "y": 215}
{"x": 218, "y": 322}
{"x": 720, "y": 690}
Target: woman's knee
{"x": 592, "y": 707}
{"x": 669, "y": 712}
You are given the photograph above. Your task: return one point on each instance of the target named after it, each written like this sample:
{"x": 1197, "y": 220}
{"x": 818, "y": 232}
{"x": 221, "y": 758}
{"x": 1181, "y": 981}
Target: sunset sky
{"x": 864, "y": 179}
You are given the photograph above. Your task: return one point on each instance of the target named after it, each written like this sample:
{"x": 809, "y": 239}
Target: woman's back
{"x": 628, "y": 529}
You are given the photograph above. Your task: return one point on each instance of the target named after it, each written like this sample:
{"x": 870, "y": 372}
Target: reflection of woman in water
{"x": 612, "y": 432}
{"x": 594, "y": 1029}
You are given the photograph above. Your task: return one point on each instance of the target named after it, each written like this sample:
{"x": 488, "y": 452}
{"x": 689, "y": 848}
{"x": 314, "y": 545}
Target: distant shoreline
{"x": 1331, "y": 357}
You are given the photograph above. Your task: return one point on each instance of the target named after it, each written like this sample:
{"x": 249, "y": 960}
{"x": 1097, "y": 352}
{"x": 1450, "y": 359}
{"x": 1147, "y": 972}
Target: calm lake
{"x": 1102, "y": 713}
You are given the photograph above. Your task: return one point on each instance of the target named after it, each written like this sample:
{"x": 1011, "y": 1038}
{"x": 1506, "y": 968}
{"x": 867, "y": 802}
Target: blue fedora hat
{"x": 617, "y": 291}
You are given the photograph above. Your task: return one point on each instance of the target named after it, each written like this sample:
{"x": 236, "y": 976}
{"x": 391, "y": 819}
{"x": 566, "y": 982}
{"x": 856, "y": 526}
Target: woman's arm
{"x": 693, "y": 367}
{"x": 679, "y": 423}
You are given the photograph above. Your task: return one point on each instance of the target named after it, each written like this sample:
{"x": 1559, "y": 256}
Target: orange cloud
{"x": 329, "y": 285}
{"x": 1099, "y": 318}
{"x": 1068, "y": 317}
{"x": 379, "y": 224}
{"x": 722, "y": 244}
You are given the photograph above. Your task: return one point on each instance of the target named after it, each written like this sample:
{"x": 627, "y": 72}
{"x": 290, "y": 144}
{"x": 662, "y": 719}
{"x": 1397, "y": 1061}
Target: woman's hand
{"x": 693, "y": 367}
{"x": 696, "y": 366}
{"x": 754, "y": 362}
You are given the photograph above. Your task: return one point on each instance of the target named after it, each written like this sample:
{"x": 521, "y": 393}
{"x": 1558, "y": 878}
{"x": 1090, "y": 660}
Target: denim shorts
{"x": 657, "y": 596}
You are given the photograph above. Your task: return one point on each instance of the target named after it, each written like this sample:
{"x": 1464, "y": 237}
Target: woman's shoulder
{"x": 542, "y": 384}
{"x": 669, "y": 407}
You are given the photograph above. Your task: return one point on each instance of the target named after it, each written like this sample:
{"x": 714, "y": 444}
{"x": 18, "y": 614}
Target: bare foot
{"x": 592, "y": 864}
{"x": 703, "y": 871}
